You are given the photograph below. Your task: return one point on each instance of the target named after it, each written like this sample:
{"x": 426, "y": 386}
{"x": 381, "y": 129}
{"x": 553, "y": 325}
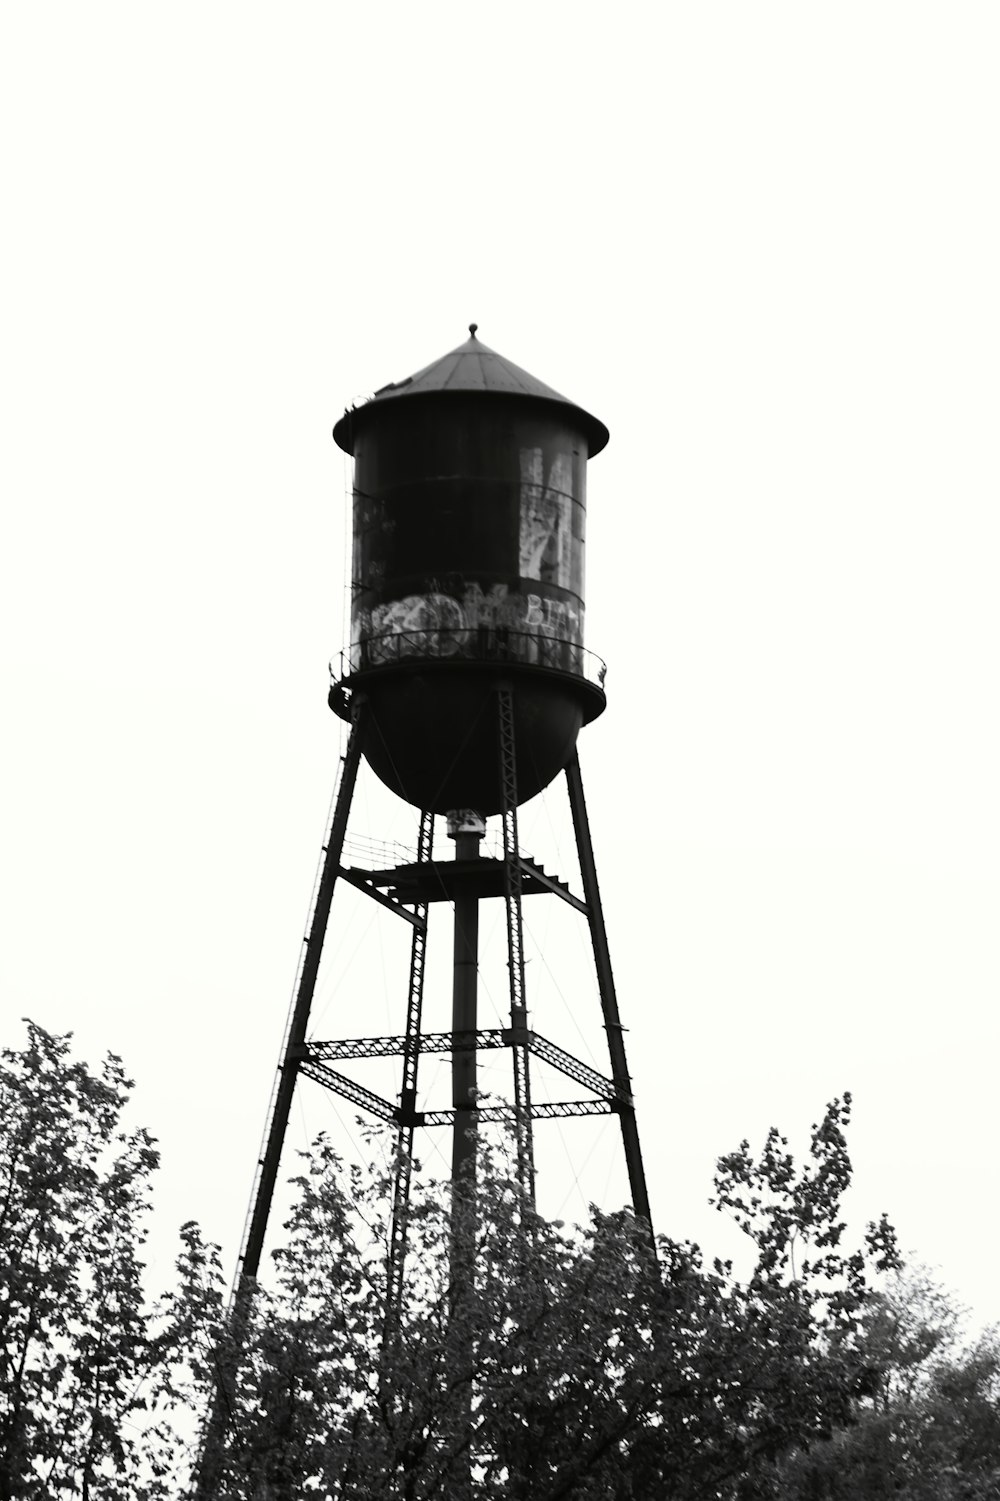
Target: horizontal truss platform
{"x": 442, "y": 880}
{"x": 316, "y": 1058}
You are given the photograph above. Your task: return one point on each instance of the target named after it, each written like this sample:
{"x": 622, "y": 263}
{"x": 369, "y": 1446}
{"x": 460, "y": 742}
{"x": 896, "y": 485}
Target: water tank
{"x": 470, "y": 506}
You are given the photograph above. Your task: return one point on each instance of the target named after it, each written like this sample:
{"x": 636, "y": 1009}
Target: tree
{"x": 594, "y": 1370}
{"x": 578, "y": 1365}
{"x": 930, "y": 1428}
{"x": 89, "y": 1374}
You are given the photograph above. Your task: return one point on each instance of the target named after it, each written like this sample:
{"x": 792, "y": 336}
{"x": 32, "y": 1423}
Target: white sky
{"x": 760, "y": 242}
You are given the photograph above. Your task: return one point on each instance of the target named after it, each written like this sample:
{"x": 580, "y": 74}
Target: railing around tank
{"x": 477, "y": 644}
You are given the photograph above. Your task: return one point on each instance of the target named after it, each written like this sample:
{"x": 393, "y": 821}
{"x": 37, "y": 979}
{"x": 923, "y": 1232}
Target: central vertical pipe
{"x": 467, "y": 829}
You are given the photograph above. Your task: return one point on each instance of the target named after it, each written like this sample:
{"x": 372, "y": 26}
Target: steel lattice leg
{"x": 312, "y": 951}
{"x": 515, "y": 948}
{"x": 281, "y": 1099}
{"x": 609, "y": 999}
{"x": 403, "y": 1170}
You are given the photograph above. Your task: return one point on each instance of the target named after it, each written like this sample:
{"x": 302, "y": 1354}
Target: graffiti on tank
{"x": 414, "y": 616}
{"x": 438, "y": 625}
{"x": 549, "y": 550}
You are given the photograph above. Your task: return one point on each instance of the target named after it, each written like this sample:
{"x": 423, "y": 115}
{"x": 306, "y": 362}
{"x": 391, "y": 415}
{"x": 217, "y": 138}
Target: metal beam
{"x": 298, "y": 1018}
{"x": 350, "y": 1090}
{"x": 442, "y": 880}
{"x": 609, "y": 999}
{"x": 279, "y": 1107}
{"x": 555, "y": 1110}
{"x": 402, "y": 1172}
{"x": 572, "y": 1067}
{"x": 358, "y": 879}
{"x": 539, "y": 877}
{"x": 469, "y": 1041}
{"x": 391, "y": 1047}
{"x": 513, "y": 886}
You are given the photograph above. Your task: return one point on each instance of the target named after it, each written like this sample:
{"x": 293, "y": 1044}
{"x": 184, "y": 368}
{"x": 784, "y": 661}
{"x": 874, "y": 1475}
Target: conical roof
{"x": 472, "y": 367}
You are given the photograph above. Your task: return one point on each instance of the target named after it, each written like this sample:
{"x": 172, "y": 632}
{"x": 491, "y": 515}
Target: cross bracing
{"x": 315, "y": 1058}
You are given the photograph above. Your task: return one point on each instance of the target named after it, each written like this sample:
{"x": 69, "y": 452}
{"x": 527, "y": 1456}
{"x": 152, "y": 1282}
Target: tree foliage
{"x": 89, "y": 1374}
{"x": 930, "y": 1428}
{"x": 579, "y": 1366}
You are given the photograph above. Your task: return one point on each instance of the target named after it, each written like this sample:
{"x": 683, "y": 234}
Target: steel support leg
{"x": 403, "y": 1169}
{"x": 298, "y": 1020}
{"x": 515, "y": 947}
{"x": 609, "y": 999}
{"x": 212, "y": 1450}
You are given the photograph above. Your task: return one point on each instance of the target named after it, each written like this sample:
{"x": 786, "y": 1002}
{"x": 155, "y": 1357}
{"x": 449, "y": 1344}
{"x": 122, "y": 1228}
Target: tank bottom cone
{"x": 434, "y": 731}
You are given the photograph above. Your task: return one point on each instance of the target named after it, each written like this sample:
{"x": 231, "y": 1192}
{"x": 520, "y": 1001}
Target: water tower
{"x": 466, "y": 685}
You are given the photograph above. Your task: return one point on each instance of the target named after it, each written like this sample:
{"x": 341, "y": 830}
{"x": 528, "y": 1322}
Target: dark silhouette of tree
{"x": 930, "y": 1428}
{"x": 577, "y": 1366}
{"x": 584, "y": 1367}
{"x": 89, "y": 1375}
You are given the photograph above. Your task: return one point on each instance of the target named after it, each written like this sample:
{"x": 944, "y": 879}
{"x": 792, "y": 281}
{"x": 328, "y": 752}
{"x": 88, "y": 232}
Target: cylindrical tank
{"x": 468, "y": 572}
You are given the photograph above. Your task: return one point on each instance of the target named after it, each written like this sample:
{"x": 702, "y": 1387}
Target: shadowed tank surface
{"x": 468, "y": 573}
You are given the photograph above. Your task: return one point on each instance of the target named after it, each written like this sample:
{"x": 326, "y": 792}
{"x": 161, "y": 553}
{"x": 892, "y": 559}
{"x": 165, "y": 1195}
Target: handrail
{"x": 478, "y": 644}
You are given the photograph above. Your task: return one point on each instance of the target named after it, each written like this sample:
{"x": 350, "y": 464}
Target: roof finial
{"x": 472, "y": 329}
